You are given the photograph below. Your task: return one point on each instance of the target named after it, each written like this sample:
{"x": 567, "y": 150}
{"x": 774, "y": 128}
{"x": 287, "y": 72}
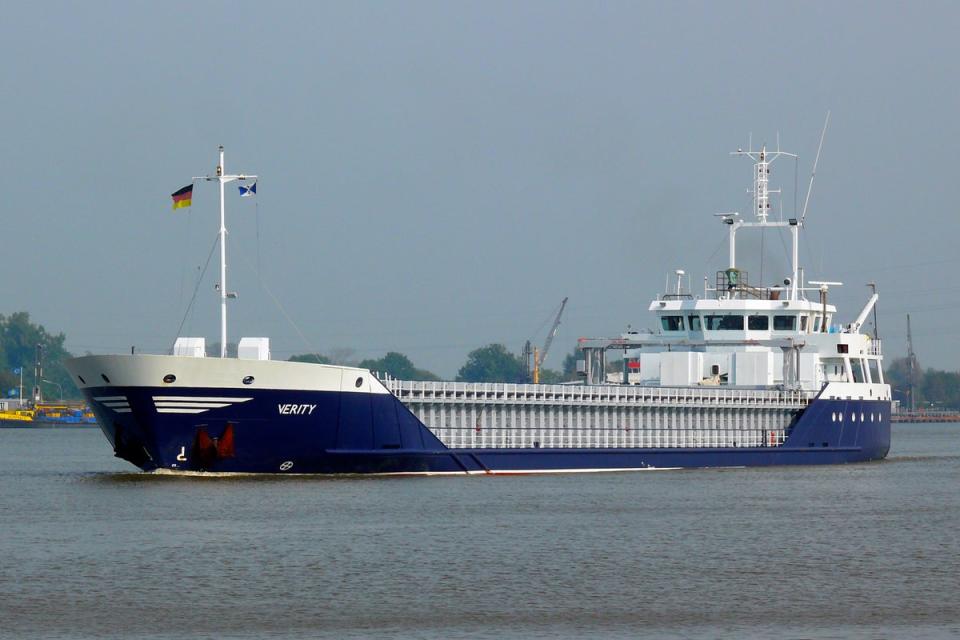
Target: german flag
{"x": 182, "y": 197}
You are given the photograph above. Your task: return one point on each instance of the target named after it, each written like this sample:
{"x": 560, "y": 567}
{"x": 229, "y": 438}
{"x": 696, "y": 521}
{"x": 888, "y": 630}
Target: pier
{"x": 937, "y": 415}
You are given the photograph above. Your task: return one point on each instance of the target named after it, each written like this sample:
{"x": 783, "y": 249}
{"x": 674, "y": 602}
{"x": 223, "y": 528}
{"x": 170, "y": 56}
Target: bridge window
{"x": 694, "y": 323}
{"x": 723, "y": 323}
{"x": 758, "y": 323}
{"x": 803, "y": 323}
{"x": 672, "y": 323}
{"x": 784, "y": 323}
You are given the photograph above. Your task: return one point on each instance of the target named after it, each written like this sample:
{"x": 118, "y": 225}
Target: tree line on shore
{"x": 19, "y": 338}
{"x": 491, "y": 363}
{"x": 495, "y": 363}
{"x": 931, "y": 388}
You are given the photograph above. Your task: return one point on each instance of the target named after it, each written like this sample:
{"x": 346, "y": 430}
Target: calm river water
{"x": 91, "y": 549}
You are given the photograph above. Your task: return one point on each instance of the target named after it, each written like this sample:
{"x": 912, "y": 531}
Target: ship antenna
{"x": 762, "y": 160}
{"x": 223, "y": 178}
{"x": 813, "y": 174}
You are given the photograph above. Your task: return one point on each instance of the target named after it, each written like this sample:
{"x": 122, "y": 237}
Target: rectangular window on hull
{"x": 723, "y": 323}
{"x": 672, "y": 323}
{"x": 758, "y": 323}
{"x": 784, "y": 323}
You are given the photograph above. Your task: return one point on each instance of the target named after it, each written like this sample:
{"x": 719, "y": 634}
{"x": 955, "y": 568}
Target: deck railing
{"x": 626, "y": 395}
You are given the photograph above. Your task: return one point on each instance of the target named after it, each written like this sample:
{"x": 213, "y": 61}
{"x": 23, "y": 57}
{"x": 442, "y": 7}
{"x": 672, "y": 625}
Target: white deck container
{"x": 254, "y": 349}
{"x": 190, "y": 347}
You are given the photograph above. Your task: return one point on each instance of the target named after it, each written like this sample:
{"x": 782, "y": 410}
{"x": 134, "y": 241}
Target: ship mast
{"x": 221, "y": 287}
{"x": 761, "y": 208}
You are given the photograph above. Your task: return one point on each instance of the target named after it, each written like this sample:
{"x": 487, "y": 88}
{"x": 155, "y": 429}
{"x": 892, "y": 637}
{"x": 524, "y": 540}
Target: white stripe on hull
{"x": 159, "y": 399}
{"x": 181, "y": 410}
{"x": 193, "y": 405}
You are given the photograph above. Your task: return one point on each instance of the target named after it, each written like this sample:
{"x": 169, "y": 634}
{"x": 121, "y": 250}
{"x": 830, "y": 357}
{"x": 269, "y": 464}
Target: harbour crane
{"x": 914, "y": 367}
{"x": 541, "y": 355}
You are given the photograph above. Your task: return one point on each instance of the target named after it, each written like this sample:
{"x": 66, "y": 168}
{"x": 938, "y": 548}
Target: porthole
{"x": 359, "y": 382}
{"x": 862, "y": 418}
{"x": 248, "y": 380}
{"x": 169, "y": 378}
{"x": 82, "y": 381}
{"x": 105, "y": 378}
{"x": 833, "y": 416}
{"x": 853, "y": 417}
{"x": 840, "y": 416}
{"x": 871, "y": 417}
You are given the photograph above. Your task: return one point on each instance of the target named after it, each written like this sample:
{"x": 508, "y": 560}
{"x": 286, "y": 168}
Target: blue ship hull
{"x": 376, "y": 434}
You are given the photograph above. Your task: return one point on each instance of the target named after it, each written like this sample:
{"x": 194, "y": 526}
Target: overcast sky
{"x": 436, "y": 176}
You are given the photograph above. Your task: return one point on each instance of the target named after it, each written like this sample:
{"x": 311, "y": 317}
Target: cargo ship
{"x": 744, "y": 374}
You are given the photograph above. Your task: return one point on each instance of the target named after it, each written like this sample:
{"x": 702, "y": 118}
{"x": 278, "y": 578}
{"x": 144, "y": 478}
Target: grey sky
{"x": 437, "y": 176}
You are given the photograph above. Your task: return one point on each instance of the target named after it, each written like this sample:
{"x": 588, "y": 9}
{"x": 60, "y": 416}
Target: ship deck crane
{"x": 540, "y": 356}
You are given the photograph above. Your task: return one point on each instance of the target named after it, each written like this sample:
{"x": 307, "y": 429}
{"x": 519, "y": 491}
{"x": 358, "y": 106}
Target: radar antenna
{"x": 761, "y": 177}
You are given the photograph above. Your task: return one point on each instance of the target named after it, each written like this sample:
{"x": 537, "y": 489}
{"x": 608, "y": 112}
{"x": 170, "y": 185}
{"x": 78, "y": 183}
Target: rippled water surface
{"x": 90, "y": 548}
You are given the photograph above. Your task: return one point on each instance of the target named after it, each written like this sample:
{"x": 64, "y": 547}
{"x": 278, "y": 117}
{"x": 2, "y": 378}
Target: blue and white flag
{"x": 12, "y": 393}
{"x": 246, "y": 191}
{"x": 17, "y": 371}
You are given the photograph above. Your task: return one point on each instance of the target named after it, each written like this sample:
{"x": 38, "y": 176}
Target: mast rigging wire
{"x": 197, "y": 286}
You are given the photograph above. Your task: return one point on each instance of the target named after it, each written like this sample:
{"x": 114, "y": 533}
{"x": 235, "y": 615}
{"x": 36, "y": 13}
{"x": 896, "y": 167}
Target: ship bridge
{"x": 738, "y": 333}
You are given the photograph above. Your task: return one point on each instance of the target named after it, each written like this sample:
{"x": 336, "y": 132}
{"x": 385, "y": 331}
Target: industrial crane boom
{"x": 538, "y": 358}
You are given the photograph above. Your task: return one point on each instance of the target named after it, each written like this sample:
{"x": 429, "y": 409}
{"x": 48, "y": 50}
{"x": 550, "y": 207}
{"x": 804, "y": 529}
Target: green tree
{"x": 550, "y": 376}
{"x": 897, "y": 375}
{"x": 398, "y": 366}
{"x": 940, "y": 388}
{"x": 569, "y": 372}
{"x": 492, "y": 363}
{"x": 213, "y": 349}
{"x": 313, "y": 358}
{"x": 18, "y": 347}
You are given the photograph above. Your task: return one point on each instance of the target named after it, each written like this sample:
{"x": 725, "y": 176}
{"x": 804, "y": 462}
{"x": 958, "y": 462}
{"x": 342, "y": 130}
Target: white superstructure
{"x": 738, "y": 334}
